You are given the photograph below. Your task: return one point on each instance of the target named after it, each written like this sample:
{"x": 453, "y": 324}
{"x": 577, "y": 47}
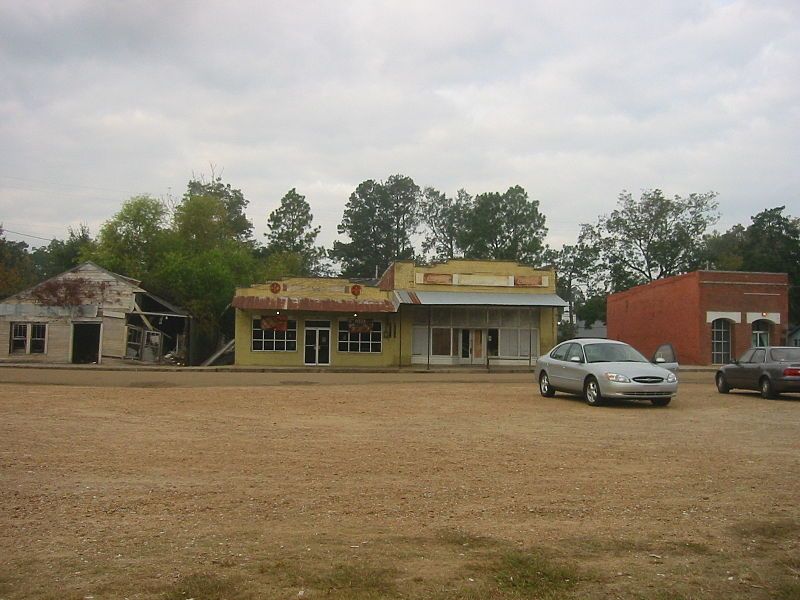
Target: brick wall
{"x": 675, "y": 310}
{"x": 664, "y": 311}
{"x": 744, "y": 293}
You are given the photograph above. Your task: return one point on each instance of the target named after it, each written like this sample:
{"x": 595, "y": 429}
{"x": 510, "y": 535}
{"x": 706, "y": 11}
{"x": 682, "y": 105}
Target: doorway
{"x": 85, "y": 343}
{"x": 473, "y": 350}
{"x": 317, "y": 343}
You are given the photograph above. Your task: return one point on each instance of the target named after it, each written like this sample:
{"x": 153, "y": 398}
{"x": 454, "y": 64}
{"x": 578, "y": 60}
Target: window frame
{"x": 560, "y": 352}
{"x": 349, "y": 342}
{"x": 27, "y": 337}
{"x": 273, "y": 337}
{"x": 721, "y": 341}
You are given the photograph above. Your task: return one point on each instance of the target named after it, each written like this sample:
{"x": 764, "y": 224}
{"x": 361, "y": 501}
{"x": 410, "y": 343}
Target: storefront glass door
{"x": 317, "y": 343}
{"x": 473, "y": 351}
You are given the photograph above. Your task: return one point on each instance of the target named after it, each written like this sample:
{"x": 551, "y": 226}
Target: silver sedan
{"x": 602, "y": 369}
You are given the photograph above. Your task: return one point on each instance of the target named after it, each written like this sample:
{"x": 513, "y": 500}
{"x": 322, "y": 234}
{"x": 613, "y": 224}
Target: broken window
{"x": 28, "y": 338}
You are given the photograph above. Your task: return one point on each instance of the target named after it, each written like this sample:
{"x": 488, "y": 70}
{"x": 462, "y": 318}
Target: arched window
{"x": 761, "y": 333}
{"x": 720, "y": 341}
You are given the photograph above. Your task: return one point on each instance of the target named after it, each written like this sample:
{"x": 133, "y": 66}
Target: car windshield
{"x": 785, "y": 354}
{"x": 596, "y": 353}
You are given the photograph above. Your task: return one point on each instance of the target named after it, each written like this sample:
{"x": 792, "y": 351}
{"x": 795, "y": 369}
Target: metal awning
{"x": 477, "y": 299}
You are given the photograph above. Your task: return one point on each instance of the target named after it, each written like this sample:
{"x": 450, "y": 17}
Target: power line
{"x": 4, "y": 230}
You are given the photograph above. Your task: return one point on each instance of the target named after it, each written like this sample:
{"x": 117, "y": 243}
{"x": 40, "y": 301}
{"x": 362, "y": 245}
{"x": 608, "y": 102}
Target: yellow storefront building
{"x": 459, "y": 312}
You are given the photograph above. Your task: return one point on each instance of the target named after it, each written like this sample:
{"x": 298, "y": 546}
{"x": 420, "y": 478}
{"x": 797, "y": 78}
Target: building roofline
{"x": 127, "y": 280}
{"x": 697, "y": 273}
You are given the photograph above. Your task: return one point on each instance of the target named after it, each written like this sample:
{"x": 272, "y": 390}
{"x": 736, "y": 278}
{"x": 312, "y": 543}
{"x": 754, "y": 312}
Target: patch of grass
{"x": 691, "y": 548}
{"x": 768, "y": 530}
{"x": 359, "y": 581}
{"x": 666, "y": 595}
{"x": 528, "y": 574}
{"x": 787, "y": 590}
{"x": 586, "y": 546}
{"x": 203, "y": 585}
{"x": 282, "y": 573}
{"x": 461, "y": 538}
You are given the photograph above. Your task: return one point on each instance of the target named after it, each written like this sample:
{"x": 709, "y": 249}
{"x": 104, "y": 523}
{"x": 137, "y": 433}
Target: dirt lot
{"x": 364, "y": 486}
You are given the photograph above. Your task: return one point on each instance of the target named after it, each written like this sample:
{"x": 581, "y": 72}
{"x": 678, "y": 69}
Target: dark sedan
{"x": 771, "y": 370}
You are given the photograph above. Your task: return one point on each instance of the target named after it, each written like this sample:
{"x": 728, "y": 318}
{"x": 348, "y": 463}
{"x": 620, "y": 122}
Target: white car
{"x": 601, "y": 369}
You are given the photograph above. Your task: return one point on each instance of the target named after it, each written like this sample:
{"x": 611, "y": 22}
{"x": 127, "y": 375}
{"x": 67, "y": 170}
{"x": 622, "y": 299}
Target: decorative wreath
{"x": 275, "y": 288}
{"x": 355, "y": 290}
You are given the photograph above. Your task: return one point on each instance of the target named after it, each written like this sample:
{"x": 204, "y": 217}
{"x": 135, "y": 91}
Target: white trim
{"x": 774, "y": 318}
{"x": 713, "y": 315}
{"x": 316, "y": 346}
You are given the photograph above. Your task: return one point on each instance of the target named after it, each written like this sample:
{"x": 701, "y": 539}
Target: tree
{"x": 201, "y": 223}
{"x": 724, "y": 250}
{"x": 379, "y": 219}
{"x": 592, "y": 309}
{"x": 577, "y": 269}
{"x": 772, "y": 243}
{"x": 443, "y": 218}
{"x": 205, "y": 256}
{"x": 504, "y": 226}
{"x": 290, "y": 231}
{"x": 16, "y": 266}
{"x": 232, "y": 200}
{"x": 62, "y": 255}
{"x": 654, "y": 237}
{"x": 203, "y": 282}
{"x": 131, "y": 243}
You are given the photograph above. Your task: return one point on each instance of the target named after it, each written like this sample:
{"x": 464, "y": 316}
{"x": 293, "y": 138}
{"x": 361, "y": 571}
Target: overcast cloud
{"x": 574, "y": 101}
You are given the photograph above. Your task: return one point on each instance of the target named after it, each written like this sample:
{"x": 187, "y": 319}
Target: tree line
{"x": 194, "y": 251}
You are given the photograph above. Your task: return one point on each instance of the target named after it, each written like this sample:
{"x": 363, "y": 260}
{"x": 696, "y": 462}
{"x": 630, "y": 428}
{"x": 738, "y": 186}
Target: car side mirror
{"x": 575, "y": 359}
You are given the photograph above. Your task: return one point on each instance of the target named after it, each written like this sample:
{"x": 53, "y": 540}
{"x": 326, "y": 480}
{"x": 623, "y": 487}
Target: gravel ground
{"x": 390, "y": 485}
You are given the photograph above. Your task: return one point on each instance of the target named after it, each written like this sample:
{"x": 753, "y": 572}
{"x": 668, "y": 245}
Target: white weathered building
{"x": 89, "y": 314}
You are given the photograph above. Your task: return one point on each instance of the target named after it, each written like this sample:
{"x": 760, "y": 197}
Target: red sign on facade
{"x": 360, "y": 325}
{"x": 275, "y": 323}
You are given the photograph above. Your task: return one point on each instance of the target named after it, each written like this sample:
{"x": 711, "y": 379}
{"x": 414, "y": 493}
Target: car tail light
{"x": 791, "y": 372}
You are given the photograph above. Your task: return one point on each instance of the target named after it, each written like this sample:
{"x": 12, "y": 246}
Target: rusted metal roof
{"x": 309, "y": 304}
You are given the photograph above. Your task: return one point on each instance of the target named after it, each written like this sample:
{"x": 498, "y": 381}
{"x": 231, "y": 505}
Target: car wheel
{"x": 544, "y": 386}
{"x": 722, "y": 384}
{"x": 767, "y": 391}
{"x": 660, "y": 401}
{"x": 591, "y": 392}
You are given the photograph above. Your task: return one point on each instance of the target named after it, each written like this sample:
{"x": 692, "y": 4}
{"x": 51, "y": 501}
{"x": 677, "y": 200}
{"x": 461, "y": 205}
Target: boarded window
{"x": 440, "y": 342}
{"x": 419, "y": 341}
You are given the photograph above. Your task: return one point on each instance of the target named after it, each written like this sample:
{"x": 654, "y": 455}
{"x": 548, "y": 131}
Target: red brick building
{"x": 710, "y": 317}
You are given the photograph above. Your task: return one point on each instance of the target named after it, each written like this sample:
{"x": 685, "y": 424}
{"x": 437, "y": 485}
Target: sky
{"x": 576, "y": 102}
